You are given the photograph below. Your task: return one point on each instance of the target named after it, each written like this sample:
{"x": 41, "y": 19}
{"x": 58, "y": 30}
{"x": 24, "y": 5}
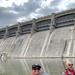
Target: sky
{"x": 15, "y": 11}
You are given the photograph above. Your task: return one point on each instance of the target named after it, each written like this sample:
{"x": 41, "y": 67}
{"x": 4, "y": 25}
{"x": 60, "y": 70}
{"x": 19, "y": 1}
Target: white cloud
{"x": 5, "y": 3}
{"x": 35, "y": 15}
{"x": 21, "y": 19}
{"x": 37, "y": 10}
{"x": 9, "y": 3}
{"x": 63, "y": 4}
{"x": 45, "y": 3}
{"x": 12, "y": 11}
{"x": 18, "y": 2}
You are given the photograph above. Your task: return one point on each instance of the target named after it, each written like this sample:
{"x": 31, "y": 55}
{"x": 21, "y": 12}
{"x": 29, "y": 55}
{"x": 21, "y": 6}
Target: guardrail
{"x": 65, "y": 23}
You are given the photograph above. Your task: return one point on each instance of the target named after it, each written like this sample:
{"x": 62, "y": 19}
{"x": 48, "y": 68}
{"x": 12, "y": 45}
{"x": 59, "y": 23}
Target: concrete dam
{"x": 49, "y": 36}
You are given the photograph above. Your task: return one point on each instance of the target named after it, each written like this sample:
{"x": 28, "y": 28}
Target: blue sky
{"x": 14, "y": 11}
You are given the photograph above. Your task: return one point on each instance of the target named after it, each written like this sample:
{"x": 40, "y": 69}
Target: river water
{"x": 53, "y": 66}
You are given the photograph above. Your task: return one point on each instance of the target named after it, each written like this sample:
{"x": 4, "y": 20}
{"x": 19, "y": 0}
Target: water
{"x": 23, "y": 66}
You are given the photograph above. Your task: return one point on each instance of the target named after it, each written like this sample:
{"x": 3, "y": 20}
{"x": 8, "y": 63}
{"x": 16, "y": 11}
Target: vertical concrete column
{"x": 33, "y": 29}
{"x": 74, "y": 30}
{"x": 74, "y": 25}
{"x": 18, "y": 32}
{"x": 6, "y": 35}
{"x": 52, "y": 22}
{"x": 53, "y": 18}
{"x": 19, "y": 27}
{"x": 7, "y": 30}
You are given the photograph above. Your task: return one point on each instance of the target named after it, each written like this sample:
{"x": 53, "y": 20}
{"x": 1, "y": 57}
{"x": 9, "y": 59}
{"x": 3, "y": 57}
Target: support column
{"x": 33, "y": 29}
{"x": 52, "y": 26}
{"x": 6, "y": 35}
{"x": 74, "y": 25}
{"x": 53, "y": 18}
{"x": 18, "y": 32}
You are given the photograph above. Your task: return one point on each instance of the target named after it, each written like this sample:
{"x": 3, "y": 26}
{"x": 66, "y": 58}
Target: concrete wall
{"x": 49, "y": 36}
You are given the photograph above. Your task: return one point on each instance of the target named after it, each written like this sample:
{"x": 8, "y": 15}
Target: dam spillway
{"x": 49, "y": 36}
